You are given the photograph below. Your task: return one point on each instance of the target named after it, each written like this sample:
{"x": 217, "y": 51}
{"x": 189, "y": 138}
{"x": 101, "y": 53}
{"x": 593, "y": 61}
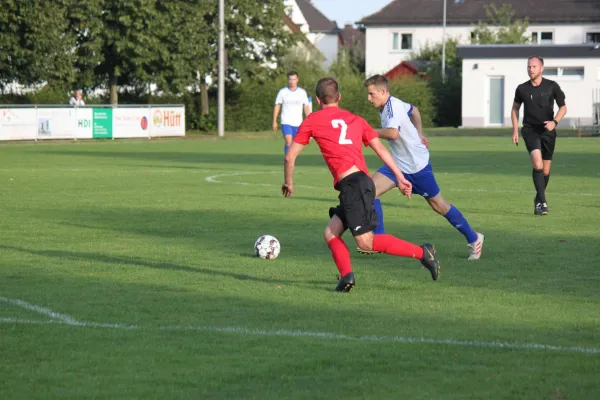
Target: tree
{"x": 501, "y": 27}
{"x": 35, "y": 44}
{"x": 116, "y": 43}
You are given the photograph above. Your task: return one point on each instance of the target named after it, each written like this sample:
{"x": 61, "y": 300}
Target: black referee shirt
{"x": 539, "y": 101}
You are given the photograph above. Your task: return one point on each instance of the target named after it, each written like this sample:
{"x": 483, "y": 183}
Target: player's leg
{"x": 453, "y": 215}
{"x": 339, "y": 251}
{"x": 384, "y": 180}
{"x": 425, "y": 184}
{"x": 548, "y": 142}
{"x": 534, "y": 147}
{"x": 288, "y": 136}
{"x": 361, "y": 219}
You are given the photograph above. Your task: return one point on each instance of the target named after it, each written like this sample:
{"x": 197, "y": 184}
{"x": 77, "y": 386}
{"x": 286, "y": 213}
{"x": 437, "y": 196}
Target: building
{"x": 409, "y": 68}
{"x": 323, "y": 33}
{"x": 403, "y": 27}
{"x": 491, "y": 73}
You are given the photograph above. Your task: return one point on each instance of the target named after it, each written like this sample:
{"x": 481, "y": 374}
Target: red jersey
{"x": 339, "y": 134}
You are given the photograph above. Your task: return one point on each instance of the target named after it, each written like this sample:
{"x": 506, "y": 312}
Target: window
{"x": 401, "y": 41}
{"x": 542, "y": 37}
{"x": 573, "y": 71}
{"x": 406, "y": 41}
{"x": 593, "y": 37}
{"x": 395, "y": 41}
{"x": 564, "y": 72}
{"x": 546, "y": 38}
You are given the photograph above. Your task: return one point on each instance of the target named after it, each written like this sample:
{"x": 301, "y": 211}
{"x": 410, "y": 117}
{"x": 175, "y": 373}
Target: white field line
{"x": 216, "y": 179}
{"x": 67, "y": 320}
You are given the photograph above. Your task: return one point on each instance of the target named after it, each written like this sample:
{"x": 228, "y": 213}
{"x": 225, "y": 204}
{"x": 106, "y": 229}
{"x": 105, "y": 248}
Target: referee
{"x": 538, "y": 95}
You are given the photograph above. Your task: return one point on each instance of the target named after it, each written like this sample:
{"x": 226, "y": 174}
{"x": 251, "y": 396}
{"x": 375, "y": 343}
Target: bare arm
{"x": 306, "y": 110}
{"x": 415, "y": 118}
{"x": 275, "y": 114}
{"x": 562, "y": 111}
{"x": 514, "y": 117}
{"x": 388, "y": 133}
{"x": 288, "y": 170}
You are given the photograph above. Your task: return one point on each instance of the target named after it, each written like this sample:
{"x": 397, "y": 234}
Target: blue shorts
{"x": 289, "y": 130}
{"x": 423, "y": 182}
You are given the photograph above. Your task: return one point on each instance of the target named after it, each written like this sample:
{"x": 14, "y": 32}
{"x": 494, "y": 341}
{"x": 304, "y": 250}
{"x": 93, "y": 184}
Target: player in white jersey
{"x": 291, "y": 100}
{"x": 401, "y": 125}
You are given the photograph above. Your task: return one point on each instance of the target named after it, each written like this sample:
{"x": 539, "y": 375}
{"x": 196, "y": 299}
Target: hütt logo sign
{"x": 166, "y": 118}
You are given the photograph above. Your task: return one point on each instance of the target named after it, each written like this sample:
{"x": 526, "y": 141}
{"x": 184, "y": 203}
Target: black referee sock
{"x": 546, "y": 180}
{"x": 540, "y": 185}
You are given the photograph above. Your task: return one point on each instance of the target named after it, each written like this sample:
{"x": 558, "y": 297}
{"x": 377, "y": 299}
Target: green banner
{"x": 102, "y": 123}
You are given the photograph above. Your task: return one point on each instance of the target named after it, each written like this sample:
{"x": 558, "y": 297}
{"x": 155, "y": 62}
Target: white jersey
{"x": 292, "y": 102}
{"x": 410, "y": 155}
{"x": 76, "y": 102}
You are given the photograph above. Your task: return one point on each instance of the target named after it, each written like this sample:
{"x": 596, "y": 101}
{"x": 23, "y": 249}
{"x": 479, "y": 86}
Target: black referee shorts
{"x": 539, "y": 139}
{"x": 357, "y": 193}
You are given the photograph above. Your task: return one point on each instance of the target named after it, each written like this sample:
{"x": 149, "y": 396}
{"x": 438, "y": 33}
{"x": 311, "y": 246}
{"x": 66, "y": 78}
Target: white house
{"x": 491, "y": 74}
{"x": 323, "y": 33}
{"x": 403, "y": 27}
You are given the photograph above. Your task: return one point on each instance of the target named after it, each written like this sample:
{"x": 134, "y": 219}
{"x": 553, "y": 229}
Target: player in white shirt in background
{"x": 290, "y": 100}
{"x": 77, "y": 100}
{"x": 401, "y": 125}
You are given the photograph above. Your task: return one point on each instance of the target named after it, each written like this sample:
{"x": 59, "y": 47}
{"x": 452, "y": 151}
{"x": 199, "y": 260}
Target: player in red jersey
{"x": 340, "y": 136}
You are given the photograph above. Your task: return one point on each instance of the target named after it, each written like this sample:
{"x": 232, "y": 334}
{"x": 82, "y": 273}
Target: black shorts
{"x": 357, "y": 193}
{"x": 539, "y": 139}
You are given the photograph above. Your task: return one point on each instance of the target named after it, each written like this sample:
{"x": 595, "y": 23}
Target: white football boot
{"x": 476, "y": 247}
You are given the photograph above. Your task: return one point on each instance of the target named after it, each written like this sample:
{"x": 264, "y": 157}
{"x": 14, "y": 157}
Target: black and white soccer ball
{"x": 267, "y": 247}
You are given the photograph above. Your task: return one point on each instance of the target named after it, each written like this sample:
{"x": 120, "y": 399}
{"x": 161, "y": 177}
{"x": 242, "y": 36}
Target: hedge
{"x": 249, "y": 105}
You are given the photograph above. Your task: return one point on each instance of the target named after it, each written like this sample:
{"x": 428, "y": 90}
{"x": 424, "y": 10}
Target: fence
{"x": 39, "y": 122}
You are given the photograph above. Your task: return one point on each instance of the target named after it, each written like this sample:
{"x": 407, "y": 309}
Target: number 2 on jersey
{"x": 339, "y": 123}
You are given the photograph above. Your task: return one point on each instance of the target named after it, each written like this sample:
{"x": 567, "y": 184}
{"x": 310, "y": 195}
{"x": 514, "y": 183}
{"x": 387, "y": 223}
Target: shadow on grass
{"x": 513, "y": 260}
{"x": 140, "y": 262}
{"x": 475, "y": 162}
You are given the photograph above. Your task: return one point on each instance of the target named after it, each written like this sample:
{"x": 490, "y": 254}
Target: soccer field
{"x": 126, "y": 271}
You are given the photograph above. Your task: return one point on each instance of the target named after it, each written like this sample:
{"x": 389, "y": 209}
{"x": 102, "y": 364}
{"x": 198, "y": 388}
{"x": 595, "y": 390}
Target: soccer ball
{"x": 267, "y": 247}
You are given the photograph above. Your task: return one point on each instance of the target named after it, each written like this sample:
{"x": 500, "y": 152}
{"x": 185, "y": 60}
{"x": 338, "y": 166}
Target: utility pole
{"x": 444, "y": 45}
{"x": 221, "y": 82}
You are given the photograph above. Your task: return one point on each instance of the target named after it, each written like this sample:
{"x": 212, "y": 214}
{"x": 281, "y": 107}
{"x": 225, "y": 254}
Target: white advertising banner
{"x": 18, "y": 124}
{"x": 130, "y": 122}
{"x": 85, "y": 123}
{"x": 56, "y": 123}
{"x": 167, "y": 121}
{"x": 38, "y": 123}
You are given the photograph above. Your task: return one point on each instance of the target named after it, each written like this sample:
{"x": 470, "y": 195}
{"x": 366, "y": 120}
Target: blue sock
{"x": 285, "y": 149}
{"x": 380, "y": 228}
{"x": 457, "y": 220}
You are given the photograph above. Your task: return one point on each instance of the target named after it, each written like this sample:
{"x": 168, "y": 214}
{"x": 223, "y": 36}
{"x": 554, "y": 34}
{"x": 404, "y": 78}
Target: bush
{"x": 251, "y": 108}
{"x": 249, "y": 104}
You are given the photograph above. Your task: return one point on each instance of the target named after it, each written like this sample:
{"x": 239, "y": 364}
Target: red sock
{"x": 341, "y": 255}
{"x": 397, "y": 247}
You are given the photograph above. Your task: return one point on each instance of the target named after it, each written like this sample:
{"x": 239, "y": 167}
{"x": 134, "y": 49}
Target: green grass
{"x": 429, "y": 132}
{"x": 154, "y": 264}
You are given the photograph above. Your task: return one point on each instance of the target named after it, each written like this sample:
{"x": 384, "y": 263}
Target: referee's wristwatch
{"x": 555, "y": 122}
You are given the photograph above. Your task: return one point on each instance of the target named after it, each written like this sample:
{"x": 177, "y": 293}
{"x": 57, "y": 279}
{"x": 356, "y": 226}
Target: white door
{"x": 496, "y": 101}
